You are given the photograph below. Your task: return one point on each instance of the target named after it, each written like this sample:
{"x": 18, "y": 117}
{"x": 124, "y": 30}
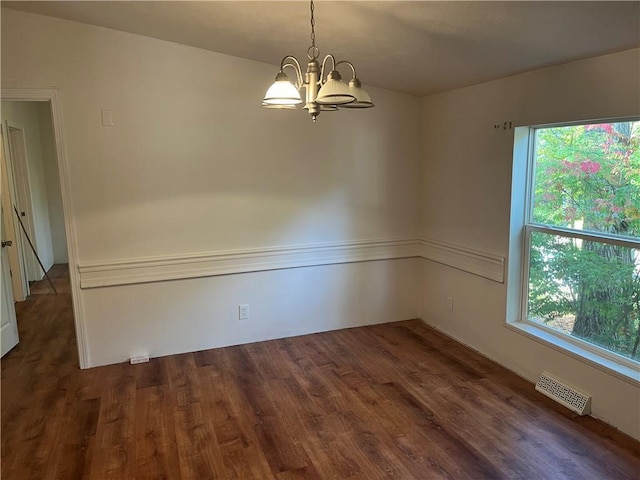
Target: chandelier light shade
{"x": 322, "y": 93}
{"x": 334, "y": 91}
{"x": 282, "y": 93}
{"x": 362, "y": 98}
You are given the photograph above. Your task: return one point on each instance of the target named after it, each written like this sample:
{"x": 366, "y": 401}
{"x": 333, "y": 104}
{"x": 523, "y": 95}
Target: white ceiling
{"x": 409, "y": 46}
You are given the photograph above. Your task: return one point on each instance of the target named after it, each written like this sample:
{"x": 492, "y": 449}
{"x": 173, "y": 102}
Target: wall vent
{"x": 139, "y": 359}
{"x": 570, "y": 397}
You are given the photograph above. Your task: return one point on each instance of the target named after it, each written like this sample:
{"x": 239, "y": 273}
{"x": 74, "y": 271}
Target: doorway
{"x": 36, "y": 194}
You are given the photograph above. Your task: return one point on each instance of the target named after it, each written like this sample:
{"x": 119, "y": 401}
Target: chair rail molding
{"x": 177, "y": 267}
{"x": 483, "y": 264}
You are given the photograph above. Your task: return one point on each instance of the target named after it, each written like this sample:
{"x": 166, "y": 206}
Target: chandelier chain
{"x": 312, "y": 51}
{"x": 313, "y": 24}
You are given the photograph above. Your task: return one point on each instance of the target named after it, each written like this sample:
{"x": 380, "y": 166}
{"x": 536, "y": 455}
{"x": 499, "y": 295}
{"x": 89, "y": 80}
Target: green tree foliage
{"x": 587, "y": 177}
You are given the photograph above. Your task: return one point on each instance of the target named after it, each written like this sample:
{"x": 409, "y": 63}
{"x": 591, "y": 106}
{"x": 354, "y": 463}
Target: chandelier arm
{"x": 353, "y": 69}
{"x": 333, "y": 60}
{"x": 296, "y": 66}
{"x": 299, "y": 80}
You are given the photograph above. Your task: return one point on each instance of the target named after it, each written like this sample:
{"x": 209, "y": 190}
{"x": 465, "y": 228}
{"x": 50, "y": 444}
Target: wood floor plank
{"x": 76, "y": 447}
{"x": 279, "y": 445}
{"x": 38, "y": 438}
{"x": 241, "y": 457}
{"x": 391, "y": 401}
{"x": 115, "y": 449}
{"x": 156, "y": 447}
{"x": 233, "y": 424}
{"x": 469, "y": 461}
{"x": 199, "y": 455}
{"x": 316, "y": 431}
{"x": 392, "y": 427}
{"x": 358, "y": 384}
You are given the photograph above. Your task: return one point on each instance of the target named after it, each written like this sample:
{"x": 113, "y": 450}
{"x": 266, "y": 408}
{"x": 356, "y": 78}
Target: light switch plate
{"x": 107, "y": 118}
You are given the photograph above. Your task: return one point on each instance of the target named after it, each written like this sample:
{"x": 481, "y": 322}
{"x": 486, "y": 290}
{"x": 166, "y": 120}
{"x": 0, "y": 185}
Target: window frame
{"x": 521, "y": 229}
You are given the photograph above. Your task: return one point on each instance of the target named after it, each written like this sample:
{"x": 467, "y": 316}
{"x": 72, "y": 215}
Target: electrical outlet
{"x": 243, "y": 312}
{"x": 450, "y": 304}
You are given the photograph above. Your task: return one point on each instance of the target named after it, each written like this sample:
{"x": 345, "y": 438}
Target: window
{"x": 581, "y": 236}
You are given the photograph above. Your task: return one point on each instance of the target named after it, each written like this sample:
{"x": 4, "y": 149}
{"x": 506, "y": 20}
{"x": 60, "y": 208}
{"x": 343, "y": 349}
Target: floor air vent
{"x": 564, "y": 394}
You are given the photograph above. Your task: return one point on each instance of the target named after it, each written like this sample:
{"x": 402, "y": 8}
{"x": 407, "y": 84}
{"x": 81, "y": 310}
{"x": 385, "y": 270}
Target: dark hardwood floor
{"x": 397, "y": 401}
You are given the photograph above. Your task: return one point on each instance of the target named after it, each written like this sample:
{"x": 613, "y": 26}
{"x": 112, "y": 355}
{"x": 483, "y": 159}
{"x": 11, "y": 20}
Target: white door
{"x": 8, "y": 323}
{"x": 20, "y": 286}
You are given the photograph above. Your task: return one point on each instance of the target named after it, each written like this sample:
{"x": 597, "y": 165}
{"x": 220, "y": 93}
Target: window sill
{"x": 628, "y": 373}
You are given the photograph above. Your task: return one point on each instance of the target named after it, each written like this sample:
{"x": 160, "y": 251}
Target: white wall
{"x": 25, "y": 115}
{"x": 466, "y": 202}
{"x": 196, "y": 314}
{"x": 193, "y": 165}
{"x": 52, "y": 181}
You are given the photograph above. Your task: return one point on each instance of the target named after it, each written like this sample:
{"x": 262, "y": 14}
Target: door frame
{"x": 18, "y": 166}
{"x": 50, "y": 95}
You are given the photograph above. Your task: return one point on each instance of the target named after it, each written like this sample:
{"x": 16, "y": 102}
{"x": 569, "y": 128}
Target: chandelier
{"x": 323, "y": 94}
